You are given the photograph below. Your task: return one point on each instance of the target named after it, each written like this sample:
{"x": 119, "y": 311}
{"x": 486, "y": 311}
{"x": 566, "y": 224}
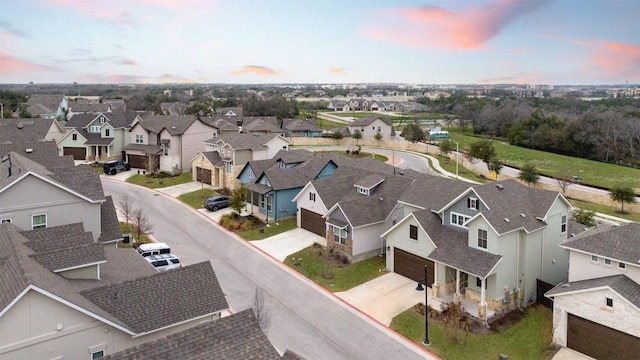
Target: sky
{"x": 433, "y": 42}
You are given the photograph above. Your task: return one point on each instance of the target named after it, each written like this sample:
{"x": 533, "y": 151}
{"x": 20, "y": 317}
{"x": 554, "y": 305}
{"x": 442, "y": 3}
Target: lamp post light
{"x": 426, "y": 341}
{"x": 1, "y": 111}
{"x": 457, "y": 155}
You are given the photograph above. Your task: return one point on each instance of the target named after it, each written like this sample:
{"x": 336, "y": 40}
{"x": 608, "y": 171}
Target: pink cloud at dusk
{"x": 106, "y": 13}
{"x": 517, "y": 78}
{"x": 11, "y": 65}
{"x": 338, "y": 71}
{"x": 616, "y": 60}
{"x": 434, "y": 27}
{"x": 254, "y": 69}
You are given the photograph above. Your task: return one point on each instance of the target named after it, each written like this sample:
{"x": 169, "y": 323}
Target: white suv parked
{"x": 164, "y": 262}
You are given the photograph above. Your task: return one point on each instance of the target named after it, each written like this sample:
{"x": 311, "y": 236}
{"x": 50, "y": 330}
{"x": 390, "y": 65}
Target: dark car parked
{"x": 115, "y": 166}
{"x": 216, "y": 202}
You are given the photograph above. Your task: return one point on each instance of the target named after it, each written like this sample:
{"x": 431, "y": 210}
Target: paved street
{"x": 304, "y": 317}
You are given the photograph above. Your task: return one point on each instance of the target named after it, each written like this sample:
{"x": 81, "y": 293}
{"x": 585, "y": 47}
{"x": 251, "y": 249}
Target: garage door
{"x": 203, "y": 175}
{"x": 313, "y": 222}
{"x": 78, "y": 153}
{"x": 599, "y": 341}
{"x": 137, "y": 161}
{"x": 412, "y": 266}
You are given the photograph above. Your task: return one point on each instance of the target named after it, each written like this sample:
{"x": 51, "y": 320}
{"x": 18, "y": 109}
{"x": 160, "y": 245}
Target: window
{"x": 594, "y": 258}
{"x": 97, "y": 354}
{"x": 5, "y": 220}
{"x": 482, "y": 238}
{"x": 94, "y": 128}
{"x": 102, "y": 120}
{"x": 107, "y": 132}
{"x": 269, "y": 200}
{"x": 339, "y": 235}
{"x": 152, "y": 137}
{"x": 479, "y": 283}
{"x": 215, "y": 134}
{"x": 228, "y": 170}
{"x": 262, "y": 201}
{"x": 251, "y": 175}
{"x": 563, "y": 224}
{"x": 165, "y": 147}
{"x": 379, "y": 129}
{"x": 607, "y": 262}
{"x": 139, "y": 139}
{"x": 312, "y": 196}
{"x": 458, "y": 219}
{"x": 413, "y": 232}
{"x": 362, "y": 190}
{"x": 472, "y": 203}
{"x": 74, "y": 137}
{"x": 39, "y": 221}
{"x": 609, "y": 301}
{"x": 622, "y": 266}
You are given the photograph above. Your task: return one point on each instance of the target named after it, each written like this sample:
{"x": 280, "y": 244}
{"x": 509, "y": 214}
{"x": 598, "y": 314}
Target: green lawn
{"x": 323, "y": 124}
{"x": 613, "y": 211}
{"x": 130, "y": 228}
{"x": 267, "y": 231}
{"x": 154, "y": 183}
{"x": 313, "y": 266}
{"x": 526, "y": 339}
{"x": 593, "y": 172}
{"x": 196, "y": 199}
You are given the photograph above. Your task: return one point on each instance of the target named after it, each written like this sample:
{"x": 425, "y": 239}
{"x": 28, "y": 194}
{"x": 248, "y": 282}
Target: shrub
{"x": 227, "y": 222}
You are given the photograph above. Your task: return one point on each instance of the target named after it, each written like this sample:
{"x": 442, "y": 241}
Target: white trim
{"x": 80, "y": 266}
{"x": 54, "y": 183}
{"x": 603, "y": 287}
{"x": 179, "y": 323}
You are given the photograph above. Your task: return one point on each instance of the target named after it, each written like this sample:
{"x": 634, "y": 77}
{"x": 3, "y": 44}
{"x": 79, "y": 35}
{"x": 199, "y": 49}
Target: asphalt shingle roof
{"x": 240, "y": 141}
{"x": 42, "y": 152}
{"x": 24, "y": 130}
{"x": 174, "y": 124}
{"x": 233, "y": 337}
{"x": 109, "y": 224}
{"x": 260, "y": 124}
{"x": 621, "y": 284}
{"x": 300, "y": 125}
{"x": 214, "y": 158}
{"x": 619, "y": 242}
{"x": 177, "y": 295}
{"x": 59, "y": 259}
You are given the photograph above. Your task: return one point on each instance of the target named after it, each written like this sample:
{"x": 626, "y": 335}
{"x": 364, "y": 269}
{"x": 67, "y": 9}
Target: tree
{"x": 263, "y": 315}
{"x": 357, "y": 135}
{"x": 623, "y": 194}
{"x": 239, "y": 199}
{"x": 483, "y": 150}
{"x": 446, "y": 147}
{"x": 563, "y": 178}
{"x": 584, "y": 217}
{"x": 529, "y": 174}
{"x": 337, "y": 136}
{"x": 143, "y": 226}
{"x": 496, "y": 165}
{"x": 413, "y": 132}
{"x": 126, "y": 207}
{"x": 151, "y": 163}
{"x": 378, "y": 137}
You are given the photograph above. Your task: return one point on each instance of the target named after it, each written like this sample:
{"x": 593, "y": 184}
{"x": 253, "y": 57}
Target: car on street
{"x": 115, "y": 166}
{"x": 216, "y": 202}
{"x": 164, "y": 262}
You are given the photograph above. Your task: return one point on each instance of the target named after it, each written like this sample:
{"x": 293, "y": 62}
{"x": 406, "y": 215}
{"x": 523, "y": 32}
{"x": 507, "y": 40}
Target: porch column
{"x": 457, "y": 283}
{"x": 482, "y": 307}
{"x": 482, "y": 291}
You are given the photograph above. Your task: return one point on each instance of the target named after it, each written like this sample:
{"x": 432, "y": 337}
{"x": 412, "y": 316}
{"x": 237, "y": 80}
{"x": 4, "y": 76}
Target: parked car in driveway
{"x": 115, "y": 166}
{"x": 164, "y": 262}
{"x": 216, "y": 202}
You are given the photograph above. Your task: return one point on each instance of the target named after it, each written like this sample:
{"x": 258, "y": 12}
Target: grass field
{"x": 196, "y": 199}
{"x": 267, "y": 231}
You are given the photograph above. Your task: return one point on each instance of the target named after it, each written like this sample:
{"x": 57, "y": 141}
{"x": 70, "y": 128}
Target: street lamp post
{"x": 457, "y": 155}
{"x": 426, "y": 341}
{"x": 1, "y": 111}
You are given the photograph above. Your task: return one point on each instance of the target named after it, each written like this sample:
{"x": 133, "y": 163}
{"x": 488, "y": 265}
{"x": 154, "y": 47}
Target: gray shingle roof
{"x": 260, "y": 124}
{"x": 241, "y": 141}
{"x": 189, "y": 292}
{"x": 220, "y": 123}
{"x": 147, "y": 149}
{"x": 109, "y": 224}
{"x": 620, "y": 242}
{"x": 40, "y": 104}
{"x": 174, "y": 124}
{"x": 117, "y": 119}
{"x": 452, "y": 247}
{"x": 621, "y": 284}
{"x": 62, "y": 258}
{"x": 43, "y": 152}
{"x": 24, "y": 130}
{"x": 233, "y": 337}
{"x": 214, "y": 158}
{"x": 300, "y": 125}
{"x": 433, "y": 192}
{"x": 368, "y": 120}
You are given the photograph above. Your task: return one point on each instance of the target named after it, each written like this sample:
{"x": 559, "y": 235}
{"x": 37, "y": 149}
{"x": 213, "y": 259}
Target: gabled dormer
{"x": 461, "y": 209}
{"x": 367, "y": 185}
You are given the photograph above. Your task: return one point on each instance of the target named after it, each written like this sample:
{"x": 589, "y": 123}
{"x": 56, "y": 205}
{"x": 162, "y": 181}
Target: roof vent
{"x": 565, "y": 285}
{"x": 380, "y": 199}
{"x": 572, "y": 235}
{"x": 499, "y": 186}
{"x": 173, "y": 127}
{"x": 522, "y": 215}
{"x": 29, "y": 150}
{"x": 20, "y": 126}
{"x": 506, "y": 220}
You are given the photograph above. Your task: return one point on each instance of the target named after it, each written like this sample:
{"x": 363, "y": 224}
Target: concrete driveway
{"x": 282, "y": 245}
{"x": 384, "y": 297}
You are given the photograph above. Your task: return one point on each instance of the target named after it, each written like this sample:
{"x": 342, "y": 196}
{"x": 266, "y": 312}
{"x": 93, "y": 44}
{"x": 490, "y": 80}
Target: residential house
{"x": 358, "y": 104}
{"x": 225, "y": 156}
{"x": 370, "y": 126}
{"x": 390, "y": 106}
{"x": 47, "y": 106}
{"x": 301, "y": 128}
{"x": 33, "y": 196}
{"x": 234, "y": 336}
{"x": 168, "y": 143}
{"x": 173, "y": 108}
{"x": 597, "y": 312}
{"x": 78, "y": 107}
{"x": 231, "y": 113}
{"x": 96, "y": 137}
{"x": 30, "y": 130}
{"x": 261, "y": 124}
{"x": 65, "y": 296}
{"x": 487, "y": 245}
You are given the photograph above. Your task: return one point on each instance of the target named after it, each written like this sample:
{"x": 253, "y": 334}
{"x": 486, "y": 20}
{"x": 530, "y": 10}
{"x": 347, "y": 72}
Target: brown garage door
{"x": 412, "y": 266}
{"x": 78, "y": 153}
{"x": 203, "y": 175}
{"x": 313, "y": 222}
{"x": 137, "y": 161}
{"x": 599, "y": 341}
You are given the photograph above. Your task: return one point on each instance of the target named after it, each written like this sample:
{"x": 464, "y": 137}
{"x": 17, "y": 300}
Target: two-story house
{"x": 96, "y": 137}
{"x": 225, "y": 155}
{"x": 487, "y": 245}
{"x": 261, "y": 124}
{"x": 597, "y": 312}
{"x": 168, "y": 143}
{"x": 370, "y": 126}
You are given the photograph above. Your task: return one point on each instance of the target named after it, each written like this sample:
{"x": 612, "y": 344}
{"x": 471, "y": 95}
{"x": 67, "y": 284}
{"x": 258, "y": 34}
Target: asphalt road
{"x": 304, "y": 317}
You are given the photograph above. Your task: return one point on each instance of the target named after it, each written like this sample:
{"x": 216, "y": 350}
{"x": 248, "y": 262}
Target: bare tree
{"x": 143, "y": 226}
{"x": 563, "y": 178}
{"x": 151, "y": 163}
{"x": 262, "y": 313}
{"x": 126, "y": 206}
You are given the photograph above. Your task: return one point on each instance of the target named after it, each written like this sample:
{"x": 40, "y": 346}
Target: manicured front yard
{"x": 526, "y": 339}
{"x": 160, "y": 182}
{"x": 313, "y": 264}
{"x": 264, "y": 231}
{"x": 196, "y": 199}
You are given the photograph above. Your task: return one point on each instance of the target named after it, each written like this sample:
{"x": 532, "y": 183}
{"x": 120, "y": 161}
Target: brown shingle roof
{"x": 619, "y": 242}
{"x": 24, "y": 130}
{"x": 621, "y": 284}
